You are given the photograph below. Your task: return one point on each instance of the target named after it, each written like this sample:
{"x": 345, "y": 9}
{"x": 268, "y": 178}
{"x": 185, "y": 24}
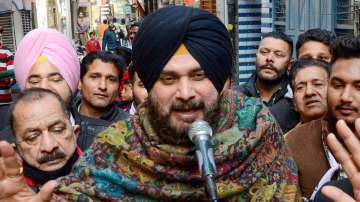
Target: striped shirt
{"x": 6, "y": 64}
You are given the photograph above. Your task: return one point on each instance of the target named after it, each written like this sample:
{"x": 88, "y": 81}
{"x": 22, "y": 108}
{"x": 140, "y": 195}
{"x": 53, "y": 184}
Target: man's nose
{"x": 102, "y": 84}
{"x": 185, "y": 90}
{"x": 48, "y": 143}
{"x": 346, "y": 94}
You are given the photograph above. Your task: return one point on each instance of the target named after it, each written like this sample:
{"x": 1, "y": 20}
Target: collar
{"x": 109, "y": 115}
{"x": 283, "y": 91}
{"x": 132, "y": 110}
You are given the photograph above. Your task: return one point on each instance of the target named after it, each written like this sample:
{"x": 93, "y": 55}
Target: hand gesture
{"x": 348, "y": 156}
{"x": 12, "y": 184}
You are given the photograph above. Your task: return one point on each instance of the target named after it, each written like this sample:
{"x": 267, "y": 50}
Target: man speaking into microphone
{"x": 186, "y": 68}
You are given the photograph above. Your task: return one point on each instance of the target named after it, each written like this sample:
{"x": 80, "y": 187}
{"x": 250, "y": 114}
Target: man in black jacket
{"x": 270, "y": 81}
{"x": 94, "y": 109}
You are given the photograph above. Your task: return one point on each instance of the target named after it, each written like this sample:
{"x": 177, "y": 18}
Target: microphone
{"x": 199, "y": 134}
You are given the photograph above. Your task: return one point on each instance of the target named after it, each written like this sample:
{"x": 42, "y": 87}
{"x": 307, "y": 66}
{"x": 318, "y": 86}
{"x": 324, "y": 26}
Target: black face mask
{"x": 42, "y": 177}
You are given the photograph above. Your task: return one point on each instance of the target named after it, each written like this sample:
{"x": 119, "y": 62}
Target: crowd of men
{"x": 291, "y": 133}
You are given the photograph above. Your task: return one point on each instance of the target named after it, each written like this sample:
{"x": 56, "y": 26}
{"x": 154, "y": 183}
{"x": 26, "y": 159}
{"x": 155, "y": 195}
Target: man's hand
{"x": 348, "y": 157}
{"x": 12, "y": 185}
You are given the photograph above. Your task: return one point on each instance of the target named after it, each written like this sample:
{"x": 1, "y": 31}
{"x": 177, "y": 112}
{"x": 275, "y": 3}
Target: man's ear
{"x": 76, "y": 129}
{"x": 290, "y": 64}
{"x": 227, "y": 85}
{"x": 295, "y": 108}
{"x": 79, "y": 86}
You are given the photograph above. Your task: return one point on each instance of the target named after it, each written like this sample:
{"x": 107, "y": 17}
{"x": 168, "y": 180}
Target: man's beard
{"x": 170, "y": 134}
{"x": 96, "y": 106}
{"x": 280, "y": 75}
{"x": 351, "y": 122}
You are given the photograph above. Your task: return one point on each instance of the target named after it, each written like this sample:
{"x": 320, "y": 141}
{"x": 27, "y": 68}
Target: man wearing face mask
{"x": 45, "y": 137}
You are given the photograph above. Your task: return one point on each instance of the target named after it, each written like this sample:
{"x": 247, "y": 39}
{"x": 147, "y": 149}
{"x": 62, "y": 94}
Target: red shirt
{"x": 92, "y": 45}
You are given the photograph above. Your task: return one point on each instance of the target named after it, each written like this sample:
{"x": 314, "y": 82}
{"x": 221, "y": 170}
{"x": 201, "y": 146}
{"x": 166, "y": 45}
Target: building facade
{"x": 16, "y": 19}
{"x": 54, "y": 14}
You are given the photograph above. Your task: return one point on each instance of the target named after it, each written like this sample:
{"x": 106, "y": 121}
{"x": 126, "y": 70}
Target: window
{"x": 344, "y": 17}
{"x": 279, "y": 15}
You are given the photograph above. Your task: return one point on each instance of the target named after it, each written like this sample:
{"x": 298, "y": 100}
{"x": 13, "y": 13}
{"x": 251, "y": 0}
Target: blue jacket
{"x": 109, "y": 40}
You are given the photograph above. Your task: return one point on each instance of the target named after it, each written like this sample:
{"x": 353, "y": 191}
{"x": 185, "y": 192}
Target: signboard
{"x": 127, "y": 9}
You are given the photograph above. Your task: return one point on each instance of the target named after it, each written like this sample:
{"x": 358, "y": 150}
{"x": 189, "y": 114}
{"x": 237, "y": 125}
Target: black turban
{"x": 202, "y": 33}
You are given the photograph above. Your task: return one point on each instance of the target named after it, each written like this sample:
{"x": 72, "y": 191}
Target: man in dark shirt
{"x": 270, "y": 82}
{"x": 94, "y": 110}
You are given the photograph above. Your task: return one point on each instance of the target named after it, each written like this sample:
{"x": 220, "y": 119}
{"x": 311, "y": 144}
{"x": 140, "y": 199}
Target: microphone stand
{"x": 208, "y": 170}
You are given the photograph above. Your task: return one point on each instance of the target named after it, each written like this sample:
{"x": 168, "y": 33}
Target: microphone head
{"x": 199, "y": 128}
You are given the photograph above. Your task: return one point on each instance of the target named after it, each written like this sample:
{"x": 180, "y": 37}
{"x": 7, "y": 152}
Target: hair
{"x": 131, "y": 72}
{"x": 125, "y": 53}
{"x": 104, "y": 56}
{"x": 134, "y": 24}
{"x": 320, "y": 35}
{"x": 34, "y": 94}
{"x": 105, "y": 21}
{"x": 281, "y": 36}
{"x": 346, "y": 47}
{"x": 90, "y": 33}
{"x": 305, "y": 63}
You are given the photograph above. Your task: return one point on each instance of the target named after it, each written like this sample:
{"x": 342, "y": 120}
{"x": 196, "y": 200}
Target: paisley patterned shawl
{"x": 127, "y": 162}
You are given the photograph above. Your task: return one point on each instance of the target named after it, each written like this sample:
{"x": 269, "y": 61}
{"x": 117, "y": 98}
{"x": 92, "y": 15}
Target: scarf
{"x": 127, "y": 162}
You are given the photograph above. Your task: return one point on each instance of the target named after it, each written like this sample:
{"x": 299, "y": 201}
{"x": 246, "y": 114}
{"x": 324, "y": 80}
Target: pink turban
{"x": 55, "y": 47}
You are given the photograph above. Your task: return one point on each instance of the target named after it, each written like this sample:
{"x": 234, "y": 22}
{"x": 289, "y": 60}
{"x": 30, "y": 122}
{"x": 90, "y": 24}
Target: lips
{"x": 311, "y": 102}
{"x": 54, "y": 162}
{"x": 267, "y": 67}
{"x": 100, "y": 95}
{"x": 346, "y": 110}
{"x": 187, "y": 115}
